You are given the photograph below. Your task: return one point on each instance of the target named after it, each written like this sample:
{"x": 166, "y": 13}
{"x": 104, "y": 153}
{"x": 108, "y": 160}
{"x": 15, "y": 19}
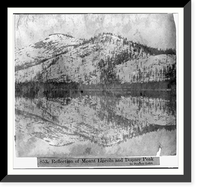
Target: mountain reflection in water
{"x": 94, "y": 125}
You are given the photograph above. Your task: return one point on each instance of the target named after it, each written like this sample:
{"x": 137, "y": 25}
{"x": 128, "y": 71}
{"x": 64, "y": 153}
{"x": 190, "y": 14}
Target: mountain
{"x": 41, "y": 51}
{"x": 103, "y": 120}
{"x": 102, "y": 59}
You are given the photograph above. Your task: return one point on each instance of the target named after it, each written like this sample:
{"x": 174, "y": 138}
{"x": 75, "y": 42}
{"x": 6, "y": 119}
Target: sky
{"x": 155, "y": 30}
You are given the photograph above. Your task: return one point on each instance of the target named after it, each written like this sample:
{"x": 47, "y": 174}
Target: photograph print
{"x": 95, "y": 85}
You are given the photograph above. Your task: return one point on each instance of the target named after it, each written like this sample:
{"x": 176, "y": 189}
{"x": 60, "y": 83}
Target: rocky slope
{"x": 105, "y": 58}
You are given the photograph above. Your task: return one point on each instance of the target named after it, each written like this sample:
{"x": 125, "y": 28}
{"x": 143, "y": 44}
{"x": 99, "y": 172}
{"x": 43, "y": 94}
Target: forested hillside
{"x": 102, "y": 59}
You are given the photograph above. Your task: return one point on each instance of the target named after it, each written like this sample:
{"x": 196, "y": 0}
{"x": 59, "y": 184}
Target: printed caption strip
{"x": 92, "y": 162}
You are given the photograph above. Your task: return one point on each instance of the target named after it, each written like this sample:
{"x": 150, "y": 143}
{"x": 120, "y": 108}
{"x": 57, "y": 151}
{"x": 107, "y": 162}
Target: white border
{"x": 31, "y": 162}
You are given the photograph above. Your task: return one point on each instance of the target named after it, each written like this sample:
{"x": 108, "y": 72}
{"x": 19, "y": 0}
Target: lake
{"x": 95, "y": 124}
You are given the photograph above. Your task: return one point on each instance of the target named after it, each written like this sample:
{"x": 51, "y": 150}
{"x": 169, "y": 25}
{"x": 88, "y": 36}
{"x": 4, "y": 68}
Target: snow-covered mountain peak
{"x": 45, "y": 49}
{"x": 103, "y": 58}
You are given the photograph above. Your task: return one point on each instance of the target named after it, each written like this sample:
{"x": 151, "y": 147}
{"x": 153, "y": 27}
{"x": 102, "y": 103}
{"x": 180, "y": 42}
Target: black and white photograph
{"x": 95, "y": 85}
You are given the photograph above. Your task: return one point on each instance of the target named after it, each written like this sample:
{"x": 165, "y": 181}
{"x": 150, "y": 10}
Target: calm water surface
{"x": 94, "y": 125}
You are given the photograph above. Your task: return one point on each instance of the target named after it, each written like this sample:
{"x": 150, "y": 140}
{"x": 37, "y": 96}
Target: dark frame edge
{"x": 187, "y": 92}
{"x": 4, "y": 118}
{"x": 127, "y": 178}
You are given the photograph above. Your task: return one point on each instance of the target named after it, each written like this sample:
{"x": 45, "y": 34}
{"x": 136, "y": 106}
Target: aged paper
{"x": 95, "y": 87}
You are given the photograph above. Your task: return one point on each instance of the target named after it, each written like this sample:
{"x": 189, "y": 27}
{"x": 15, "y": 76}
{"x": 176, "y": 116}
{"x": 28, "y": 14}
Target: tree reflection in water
{"x": 103, "y": 119}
